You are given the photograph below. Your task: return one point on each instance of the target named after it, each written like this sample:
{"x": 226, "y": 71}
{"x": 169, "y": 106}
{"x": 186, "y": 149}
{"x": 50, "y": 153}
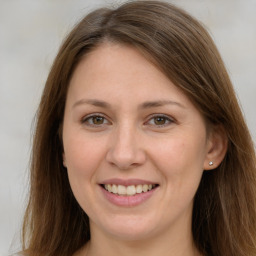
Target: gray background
{"x": 30, "y": 34}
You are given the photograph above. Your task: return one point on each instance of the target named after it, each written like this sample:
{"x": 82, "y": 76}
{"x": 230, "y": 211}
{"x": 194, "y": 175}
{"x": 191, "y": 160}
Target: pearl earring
{"x": 210, "y": 163}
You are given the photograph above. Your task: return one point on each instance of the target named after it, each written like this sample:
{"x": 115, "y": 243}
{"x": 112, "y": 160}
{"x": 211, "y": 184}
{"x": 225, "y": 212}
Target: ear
{"x": 216, "y": 147}
{"x": 64, "y": 160}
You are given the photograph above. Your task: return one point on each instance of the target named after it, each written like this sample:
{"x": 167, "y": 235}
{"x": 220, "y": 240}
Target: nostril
{"x": 124, "y": 150}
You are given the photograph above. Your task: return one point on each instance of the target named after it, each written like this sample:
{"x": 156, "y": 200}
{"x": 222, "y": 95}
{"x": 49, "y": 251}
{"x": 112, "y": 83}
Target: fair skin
{"x": 126, "y": 124}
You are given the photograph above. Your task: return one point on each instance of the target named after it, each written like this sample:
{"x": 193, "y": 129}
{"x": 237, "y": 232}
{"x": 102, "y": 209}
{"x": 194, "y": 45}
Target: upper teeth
{"x": 129, "y": 190}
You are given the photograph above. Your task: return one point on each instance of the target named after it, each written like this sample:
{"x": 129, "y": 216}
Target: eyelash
{"x": 165, "y": 117}
{"x": 86, "y": 120}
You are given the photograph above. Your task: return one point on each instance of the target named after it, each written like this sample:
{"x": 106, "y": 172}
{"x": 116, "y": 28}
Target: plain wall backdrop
{"x": 30, "y": 35}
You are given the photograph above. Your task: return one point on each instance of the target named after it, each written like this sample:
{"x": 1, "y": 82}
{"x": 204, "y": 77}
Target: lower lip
{"x": 127, "y": 201}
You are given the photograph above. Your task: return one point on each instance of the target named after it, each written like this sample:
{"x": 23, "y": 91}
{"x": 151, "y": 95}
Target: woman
{"x": 140, "y": 146}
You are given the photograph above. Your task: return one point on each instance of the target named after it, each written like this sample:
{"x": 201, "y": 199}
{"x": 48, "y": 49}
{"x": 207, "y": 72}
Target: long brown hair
{"x": 224, "y": 214}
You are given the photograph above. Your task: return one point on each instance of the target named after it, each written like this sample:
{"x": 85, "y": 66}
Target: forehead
{"x": 114, "y": 68}
{"x": 116, "y": 60}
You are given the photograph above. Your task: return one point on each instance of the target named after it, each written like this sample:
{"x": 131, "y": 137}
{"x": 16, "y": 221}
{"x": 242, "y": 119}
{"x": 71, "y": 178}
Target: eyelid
{"x": 106, "y": 118}
{"x": 87, "y": 117}
{"x": 169, "y": 118}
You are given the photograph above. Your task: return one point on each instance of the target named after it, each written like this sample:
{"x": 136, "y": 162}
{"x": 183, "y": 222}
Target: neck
{"x": 139, "y": 248}
{"x": 171, "y": 244}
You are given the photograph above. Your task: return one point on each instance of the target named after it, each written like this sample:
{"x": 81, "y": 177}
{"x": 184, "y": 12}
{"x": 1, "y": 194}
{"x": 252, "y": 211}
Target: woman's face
{"x": 135, "y": 147}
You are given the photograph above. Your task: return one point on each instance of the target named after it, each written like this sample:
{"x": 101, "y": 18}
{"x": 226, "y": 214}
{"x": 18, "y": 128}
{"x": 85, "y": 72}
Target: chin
{"x": 132, "y": 234}
{"x": 130, "y": 229}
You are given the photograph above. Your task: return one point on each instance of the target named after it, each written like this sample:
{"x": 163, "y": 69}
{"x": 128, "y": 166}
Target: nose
{"x": 125, "y": 149}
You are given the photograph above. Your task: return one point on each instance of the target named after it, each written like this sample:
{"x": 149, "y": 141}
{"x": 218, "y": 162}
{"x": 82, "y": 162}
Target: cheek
{"x": 82, "y": 158}
{"x": 179, "y": 151}
{"x": 180, "y": 159}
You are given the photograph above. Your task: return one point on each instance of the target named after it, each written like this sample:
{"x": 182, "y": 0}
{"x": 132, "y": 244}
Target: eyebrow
{"x": 94, "y": 102}
{"x": 144, "y": 105}
{"x": 160, "y": 103}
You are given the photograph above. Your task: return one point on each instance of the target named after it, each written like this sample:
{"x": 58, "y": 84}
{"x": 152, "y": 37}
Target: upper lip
{"x": 127, "y": 182}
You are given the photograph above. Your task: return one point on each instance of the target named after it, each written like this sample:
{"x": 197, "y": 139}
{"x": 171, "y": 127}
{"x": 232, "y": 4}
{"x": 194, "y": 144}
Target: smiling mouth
{"x": 128, "y": 190}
